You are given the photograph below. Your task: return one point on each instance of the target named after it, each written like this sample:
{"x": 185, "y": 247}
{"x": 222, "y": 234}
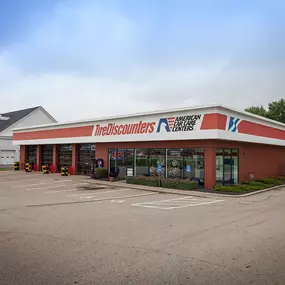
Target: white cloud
{"x": 91, "y": 61}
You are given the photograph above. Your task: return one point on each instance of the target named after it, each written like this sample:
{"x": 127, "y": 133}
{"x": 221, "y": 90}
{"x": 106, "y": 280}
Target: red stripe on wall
{"x": 214, "y": 121}
{"x": 57, "y": 133}
{"x": 255, "y": 129}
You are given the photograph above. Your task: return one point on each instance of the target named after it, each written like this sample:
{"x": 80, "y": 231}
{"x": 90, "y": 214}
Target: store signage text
{"x": 113, "y": 129}
{"x": 178, "y": 124}
{"x": 172, "y": 124}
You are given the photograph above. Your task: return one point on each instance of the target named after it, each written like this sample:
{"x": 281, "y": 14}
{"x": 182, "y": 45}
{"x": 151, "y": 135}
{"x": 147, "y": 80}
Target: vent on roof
{"x": 2, "y": 118}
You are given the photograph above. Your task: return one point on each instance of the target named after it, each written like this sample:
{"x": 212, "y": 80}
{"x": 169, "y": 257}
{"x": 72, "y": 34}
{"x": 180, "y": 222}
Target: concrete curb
{"x": 177, "y": 192}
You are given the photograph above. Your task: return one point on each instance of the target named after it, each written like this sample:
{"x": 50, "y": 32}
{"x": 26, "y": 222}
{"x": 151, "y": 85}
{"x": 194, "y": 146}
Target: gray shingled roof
{"x": 15, "y": 117}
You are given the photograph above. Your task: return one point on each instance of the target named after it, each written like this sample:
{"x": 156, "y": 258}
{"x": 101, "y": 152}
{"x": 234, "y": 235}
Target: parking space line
{"x": 22, "y": 186}
{"x": 176, "y": 203}
{"x": 101, "y": 192}
{"x": 48, "y": 187}
{"x": 90, "y": 201}
{"x": 58, "y": 191}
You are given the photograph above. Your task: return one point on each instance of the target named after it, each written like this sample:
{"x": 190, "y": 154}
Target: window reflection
{"x": 175, "y": 163}
{"x": 227, "y": 166}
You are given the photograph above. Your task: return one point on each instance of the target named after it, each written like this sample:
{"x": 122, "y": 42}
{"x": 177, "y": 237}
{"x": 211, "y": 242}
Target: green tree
{"x": 276, "y": 111}
{"x": 260, "y": 111}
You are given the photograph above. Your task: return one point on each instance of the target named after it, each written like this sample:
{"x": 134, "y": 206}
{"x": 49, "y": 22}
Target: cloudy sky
{"x": 88, "y": 58}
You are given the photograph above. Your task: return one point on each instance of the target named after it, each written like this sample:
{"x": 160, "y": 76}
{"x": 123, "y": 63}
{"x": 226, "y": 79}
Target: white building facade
{"x": 10, "y": 153}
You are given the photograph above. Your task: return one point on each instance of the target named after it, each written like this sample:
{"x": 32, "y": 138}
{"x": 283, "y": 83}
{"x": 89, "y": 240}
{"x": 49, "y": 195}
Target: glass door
{"x": 227, "y": 166}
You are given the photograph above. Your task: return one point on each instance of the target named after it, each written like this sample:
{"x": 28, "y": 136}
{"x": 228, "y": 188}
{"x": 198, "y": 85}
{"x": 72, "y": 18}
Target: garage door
{"x": 7, "y": 157}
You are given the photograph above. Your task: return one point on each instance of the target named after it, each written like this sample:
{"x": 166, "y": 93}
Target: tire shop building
{"x": 215, "y": 143}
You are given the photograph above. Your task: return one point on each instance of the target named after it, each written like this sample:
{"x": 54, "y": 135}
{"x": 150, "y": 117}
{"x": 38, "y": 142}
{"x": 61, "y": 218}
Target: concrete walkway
{"x": 174, "y": 191}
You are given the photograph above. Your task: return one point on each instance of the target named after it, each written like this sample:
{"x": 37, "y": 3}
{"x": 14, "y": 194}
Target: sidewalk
{"x": 174, "y": 191}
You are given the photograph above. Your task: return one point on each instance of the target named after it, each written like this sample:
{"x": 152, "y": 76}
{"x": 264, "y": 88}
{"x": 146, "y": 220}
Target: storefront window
{"x": 156, "y": 157}
{"x": 226, "y": 166}
{"x": 193, "y": 163}
{"x": 130, "y": 161}
{"x": 141, "y": 162}
{"x": 219, "y": 166}
{"x": 174, "y": 162}
{"x": 121, "y": 162}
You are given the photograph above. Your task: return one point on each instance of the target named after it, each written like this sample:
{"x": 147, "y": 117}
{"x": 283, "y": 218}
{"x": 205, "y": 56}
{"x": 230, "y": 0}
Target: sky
{"x": 83, "y": 59}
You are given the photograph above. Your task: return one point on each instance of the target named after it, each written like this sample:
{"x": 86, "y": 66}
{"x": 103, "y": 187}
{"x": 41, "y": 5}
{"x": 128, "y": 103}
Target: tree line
{"x": 275, "y": 111}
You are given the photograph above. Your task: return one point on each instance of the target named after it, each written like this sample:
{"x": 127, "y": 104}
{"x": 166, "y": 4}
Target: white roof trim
{"x": 91, "y": 121}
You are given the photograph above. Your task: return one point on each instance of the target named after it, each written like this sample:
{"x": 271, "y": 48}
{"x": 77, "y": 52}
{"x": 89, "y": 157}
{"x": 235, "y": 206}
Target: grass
{"x": 249, "y": 186}
{"x": 6, "y": 168}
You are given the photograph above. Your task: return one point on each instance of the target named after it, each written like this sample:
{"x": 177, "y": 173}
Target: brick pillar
{"x": 39, "y": 158}
{"x": 74, "y": 159}
{"x": 23, "y": 156}
{"x": 55, "y": 159}
{"x": 102, "y": 152}
{"x": 210, "y": 167}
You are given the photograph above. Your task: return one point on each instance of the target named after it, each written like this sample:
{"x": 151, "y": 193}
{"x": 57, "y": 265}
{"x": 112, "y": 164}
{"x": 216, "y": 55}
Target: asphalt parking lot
{"x": 64, "y": 230}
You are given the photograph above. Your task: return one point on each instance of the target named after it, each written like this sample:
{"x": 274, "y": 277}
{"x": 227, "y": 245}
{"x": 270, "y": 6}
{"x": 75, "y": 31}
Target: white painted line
{"x": 120, "y": 197}
{"x": 176, "y": 199}
{"x": 101, "y": 192}
{"x": 180, "y": 202}
{"x": 21, "y": 186}
{"x": 175, "y": 207}
{"x": 153, "y": 207}
{"x": 49, "y": 187}
{"x": 57, "y": 191}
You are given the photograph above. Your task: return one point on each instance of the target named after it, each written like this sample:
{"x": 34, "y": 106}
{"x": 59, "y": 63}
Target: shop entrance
{"x": 227, "y": 166}
{"x": 64, "y": 156}
{"x": 85, "y": 154}
{"x": 121, "y": 161}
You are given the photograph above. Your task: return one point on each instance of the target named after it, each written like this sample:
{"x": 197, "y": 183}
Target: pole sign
{"x": 188, "y": 168}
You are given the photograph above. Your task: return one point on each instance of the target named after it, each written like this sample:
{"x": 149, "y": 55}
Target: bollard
{"x": 45, "y": 169}
{"x": 16, "y": 165}
{"x": 28, "y": 167}
{"x": 64, "y": 171}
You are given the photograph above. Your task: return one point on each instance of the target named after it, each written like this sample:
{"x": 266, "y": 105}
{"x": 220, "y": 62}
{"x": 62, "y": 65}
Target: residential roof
{"x": 11, "y": 118}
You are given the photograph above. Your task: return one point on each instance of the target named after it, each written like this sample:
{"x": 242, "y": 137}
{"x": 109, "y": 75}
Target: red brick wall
{"x": 23, "y": 150}
{"x": 262, "y": 160}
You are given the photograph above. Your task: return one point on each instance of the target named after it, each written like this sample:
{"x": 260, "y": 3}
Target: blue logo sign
{"x": 188, "y": 168}
{"x": 163, "y": 122}
{"x": 233, "y": 124}
{"x": 159, "y": 168}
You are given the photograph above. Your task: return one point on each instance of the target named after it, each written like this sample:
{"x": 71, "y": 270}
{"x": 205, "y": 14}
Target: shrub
{"x": 165, "y": 182}
{"x": 188, "y": 185}
{"x": 282, "y": 178}
{"x": 101, "y": 172}
{"x": 270, "y": 181}
{"x": 239, "y": 188}
{"x": 169, "y": 183}
{"x": 253, "y": 183}
{"x": 143, "y": 180}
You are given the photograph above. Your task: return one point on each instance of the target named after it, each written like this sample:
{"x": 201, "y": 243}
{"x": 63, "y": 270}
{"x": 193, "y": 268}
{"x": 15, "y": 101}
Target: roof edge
{"x": 120, "y": 117}
{"x": 213, "y": 106}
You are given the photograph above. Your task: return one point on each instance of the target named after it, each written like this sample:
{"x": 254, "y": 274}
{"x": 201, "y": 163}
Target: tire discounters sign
{"x": 187, "y": 123}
